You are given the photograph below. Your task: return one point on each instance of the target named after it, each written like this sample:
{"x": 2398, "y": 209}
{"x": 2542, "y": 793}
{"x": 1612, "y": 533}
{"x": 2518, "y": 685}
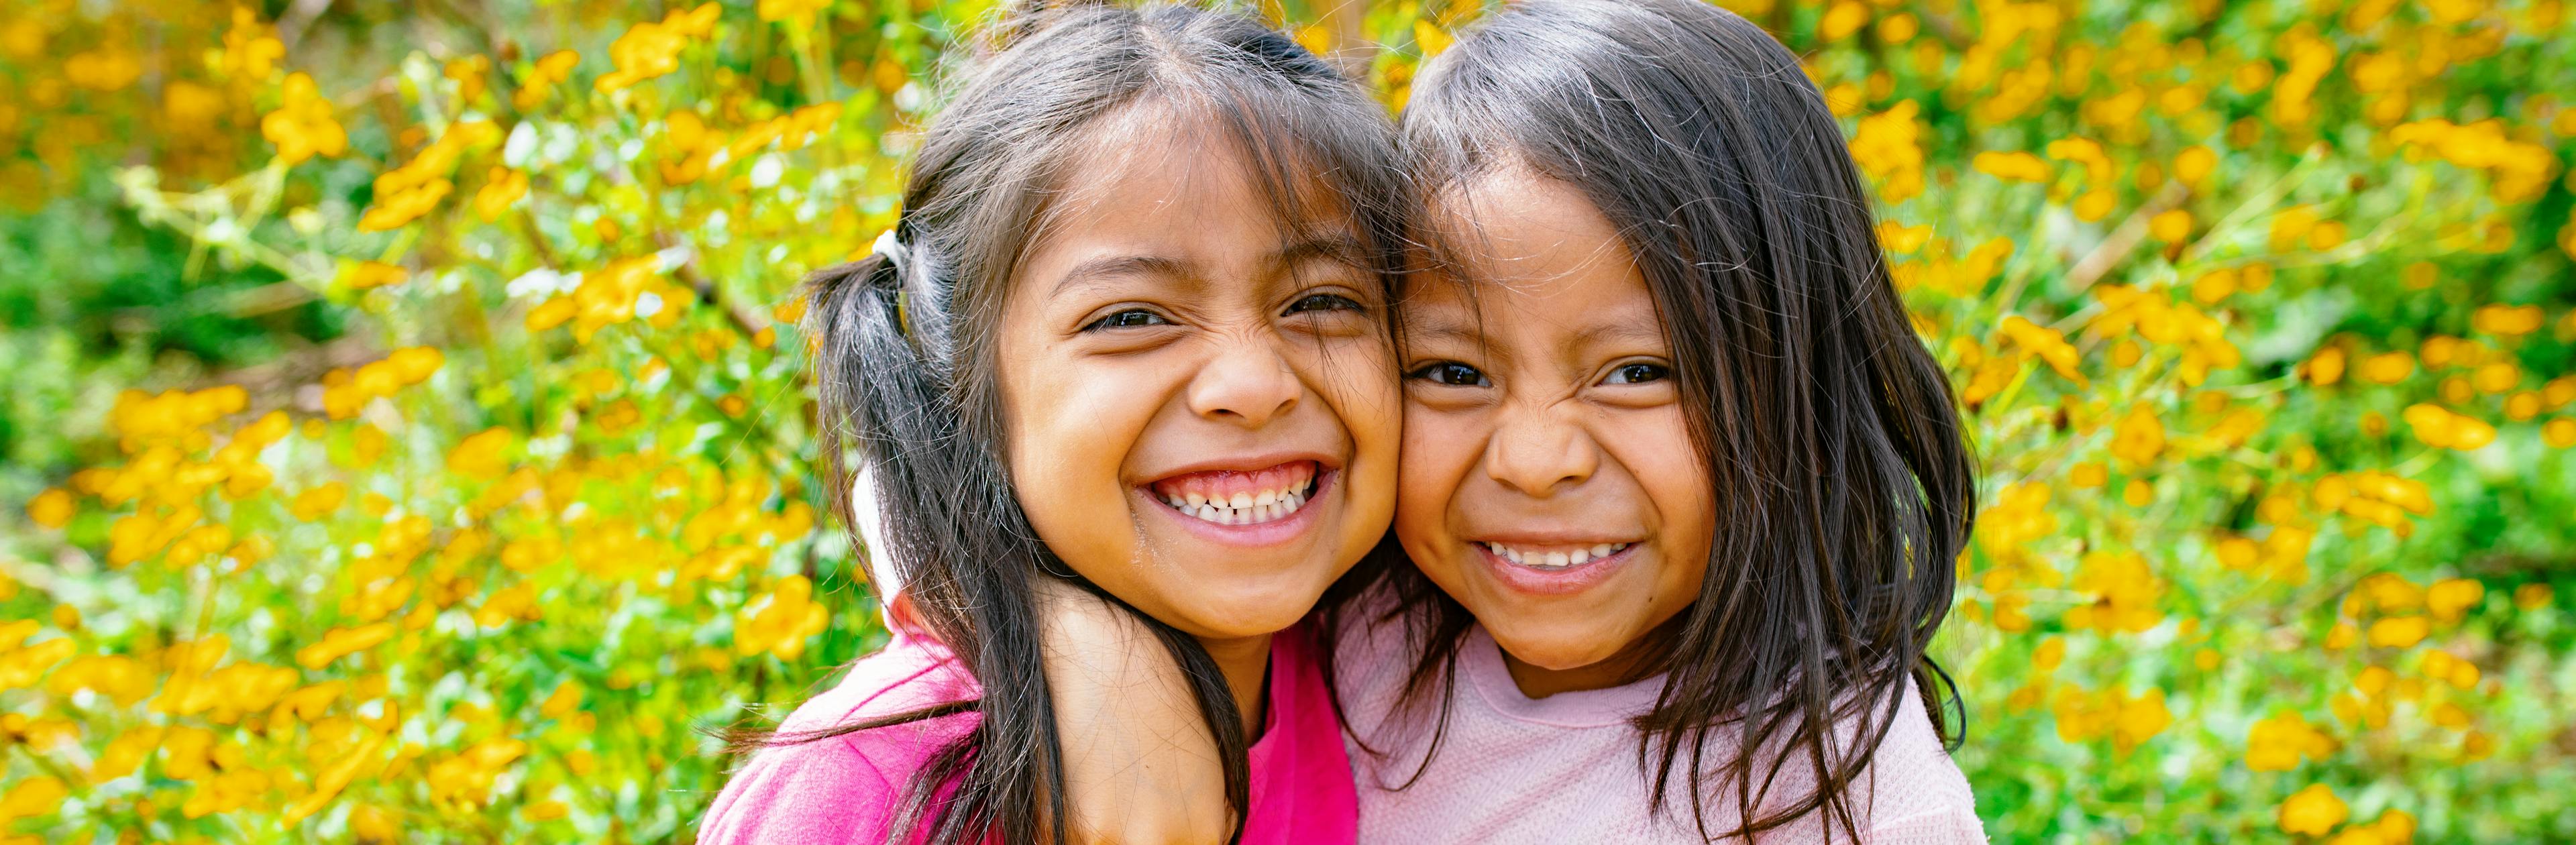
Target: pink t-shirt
{"x": 1564, "y": 768}
{"x": 847, "y": 789}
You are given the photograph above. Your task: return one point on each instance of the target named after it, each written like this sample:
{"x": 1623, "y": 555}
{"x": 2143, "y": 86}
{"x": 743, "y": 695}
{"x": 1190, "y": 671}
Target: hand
{"x": 1140, "y": 767}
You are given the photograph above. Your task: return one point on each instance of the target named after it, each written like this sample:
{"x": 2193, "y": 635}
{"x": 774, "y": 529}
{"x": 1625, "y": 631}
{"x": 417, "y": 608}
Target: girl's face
{"x": 1200, "y": 404}
{"x": 1550, "y": 484}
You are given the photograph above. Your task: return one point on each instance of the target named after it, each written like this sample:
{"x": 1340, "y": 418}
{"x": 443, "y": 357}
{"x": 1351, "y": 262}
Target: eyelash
{"x": 1323, "y": 301}
{"x": 1427, "y": 373}
{"x": 1657, "y": 372}
{"x": 1113, "y": 321}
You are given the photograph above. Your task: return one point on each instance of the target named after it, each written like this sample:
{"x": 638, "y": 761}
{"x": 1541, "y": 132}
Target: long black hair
{"x": 906, "y": 379}
{"x": 1844, "y": 489}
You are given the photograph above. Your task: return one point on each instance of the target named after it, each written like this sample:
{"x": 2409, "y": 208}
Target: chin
{"x": 1557, "y": 651}
{"x": 1267, "y": 609}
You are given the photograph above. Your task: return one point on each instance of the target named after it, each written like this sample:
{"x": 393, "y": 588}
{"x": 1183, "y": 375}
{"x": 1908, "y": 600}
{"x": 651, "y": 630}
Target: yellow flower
{"x": 51, "y": 509}
{"x": 2314, "y": 811}
{"x": 501, "y": 188}
{"x": 2277, "y": 743}
{"x": 2013, "y": 166}
{"x": 251, "y": 50}
{"x": 2170, "y": 226}
{"x": 1885, "y": 146}
{"x": 780, "y": 621}
{"x": 2399, "y": 631}
{"x": 35, "y": 796}
{"x": 373, "y": 274}
{"x": 543, "y": 77}
{"x": 2139, "y": 438}
{"x": 302, "y": 126}
{"x": 2439, "y": 428}
{"x": 2194, "y": 165}
{"x": 405, "y": 193}
{"x": 1841, "y": 20}
{"x": 799, "y": 11}
{"x": 650, "y": 49}
{"x": 482, "y": 454}
{"x": 466, "y": 779}
{"x": 342, "y": 642}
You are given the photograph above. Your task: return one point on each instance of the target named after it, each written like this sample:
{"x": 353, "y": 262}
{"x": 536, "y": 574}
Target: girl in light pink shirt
{"x": 1681, "y": 487}
{"x": 1126, "y": 340}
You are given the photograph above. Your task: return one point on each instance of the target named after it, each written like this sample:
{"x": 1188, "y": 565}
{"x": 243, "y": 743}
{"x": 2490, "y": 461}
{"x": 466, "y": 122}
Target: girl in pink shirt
{"x": 1126, "y": 340}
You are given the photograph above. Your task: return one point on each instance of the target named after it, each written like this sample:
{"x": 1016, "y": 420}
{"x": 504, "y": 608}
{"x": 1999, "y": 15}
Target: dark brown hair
{"x": 906, "y": 380}
{"x": 1843, "y": 486}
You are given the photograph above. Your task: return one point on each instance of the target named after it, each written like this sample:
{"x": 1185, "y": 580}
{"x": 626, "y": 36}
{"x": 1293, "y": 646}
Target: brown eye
{"x": 1130, "y": 318}
{"x": 1637, "y": 374}
{"x": 1450, "y": 373}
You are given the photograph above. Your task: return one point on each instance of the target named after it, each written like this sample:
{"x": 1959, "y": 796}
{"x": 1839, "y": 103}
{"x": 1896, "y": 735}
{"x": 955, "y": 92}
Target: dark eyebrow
{"x": 1342, "y": 247}
{"x": 1113, "y": 266}
{"x": 1622, "y": 330}
{"x": 1445, "y": 330}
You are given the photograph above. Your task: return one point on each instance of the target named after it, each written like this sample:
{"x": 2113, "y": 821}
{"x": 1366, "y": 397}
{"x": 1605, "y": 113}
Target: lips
{"x": 1554, "y": 566}
{"x": 1241, "y": 496}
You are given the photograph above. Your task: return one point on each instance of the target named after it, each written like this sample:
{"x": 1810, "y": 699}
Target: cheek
{"x": 1072, "y": 424}
{"x": 1355, "y": 379}
{"x": 1439, "y": 450}
{"x": 1657, "y": 449}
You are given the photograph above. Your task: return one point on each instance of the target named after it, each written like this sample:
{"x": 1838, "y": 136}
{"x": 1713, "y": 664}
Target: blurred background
{"x": 403, "y": 436}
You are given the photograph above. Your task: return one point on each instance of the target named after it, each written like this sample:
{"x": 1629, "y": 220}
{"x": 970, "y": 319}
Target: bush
{"x": 460, "y": 469}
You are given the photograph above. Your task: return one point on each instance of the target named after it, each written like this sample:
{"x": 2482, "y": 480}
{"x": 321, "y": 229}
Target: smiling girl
{"x": 1127, "y": 336}
{"x": 1681, "y": 486}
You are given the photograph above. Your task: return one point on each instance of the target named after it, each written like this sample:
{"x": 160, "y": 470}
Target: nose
{"x": 1536, "y": 453}
{"x": 1246, "y": 384}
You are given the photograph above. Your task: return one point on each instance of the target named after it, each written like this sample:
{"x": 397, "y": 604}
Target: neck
{"x": 1245, "y": 662}
{"x": 1628, "y": 665}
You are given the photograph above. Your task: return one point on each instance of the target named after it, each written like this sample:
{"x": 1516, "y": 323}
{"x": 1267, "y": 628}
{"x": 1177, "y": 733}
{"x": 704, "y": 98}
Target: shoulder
{"x": 1915, "y": 792}
{"x": 844, "y": 788}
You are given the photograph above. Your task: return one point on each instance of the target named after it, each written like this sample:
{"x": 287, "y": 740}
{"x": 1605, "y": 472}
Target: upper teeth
{"x": 1554, "y": 558}
{"x": 1241, "y": 508}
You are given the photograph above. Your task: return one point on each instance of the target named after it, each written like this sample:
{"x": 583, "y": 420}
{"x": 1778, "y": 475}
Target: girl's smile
{"x": 1255, "y": 507}
{"x": 1548, "y": 568}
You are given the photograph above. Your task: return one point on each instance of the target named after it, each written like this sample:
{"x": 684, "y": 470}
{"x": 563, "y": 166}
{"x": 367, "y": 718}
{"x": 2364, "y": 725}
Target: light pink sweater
{"x": 1564, "y": 768}
{"x": 845, "y": 790}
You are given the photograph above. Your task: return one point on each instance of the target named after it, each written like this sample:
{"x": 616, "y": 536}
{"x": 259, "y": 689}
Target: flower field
{"x": 404, "y": 438}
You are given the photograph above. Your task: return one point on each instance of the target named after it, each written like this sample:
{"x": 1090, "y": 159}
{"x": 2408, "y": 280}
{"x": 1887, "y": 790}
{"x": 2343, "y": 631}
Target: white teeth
{"x": 1240, "y": 508}
{"x": 1555, "y": 559}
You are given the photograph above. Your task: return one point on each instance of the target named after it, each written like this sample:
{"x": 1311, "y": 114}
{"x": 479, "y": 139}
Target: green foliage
{"x": 404, "y": 436}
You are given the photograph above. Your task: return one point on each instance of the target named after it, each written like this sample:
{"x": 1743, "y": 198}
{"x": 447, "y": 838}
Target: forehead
{"x": 1166, "y": 159}
{"x": 1520, "y": 253}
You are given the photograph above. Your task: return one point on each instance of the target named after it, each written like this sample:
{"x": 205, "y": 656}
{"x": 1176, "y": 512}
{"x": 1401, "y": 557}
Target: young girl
{"x": 1680, "y": 485}
{"x": 1127, "y": 335}
{"x": 1672, "y": 443}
